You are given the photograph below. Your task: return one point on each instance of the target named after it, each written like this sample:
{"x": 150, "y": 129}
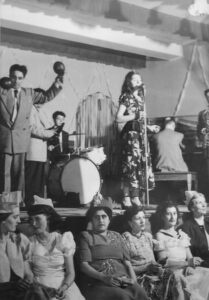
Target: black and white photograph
{"x": 104, "y": 149}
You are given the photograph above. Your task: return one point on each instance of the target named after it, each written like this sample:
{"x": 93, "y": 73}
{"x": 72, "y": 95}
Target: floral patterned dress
{"x": 157, "y": 283}
{"x": 133, "y": 149}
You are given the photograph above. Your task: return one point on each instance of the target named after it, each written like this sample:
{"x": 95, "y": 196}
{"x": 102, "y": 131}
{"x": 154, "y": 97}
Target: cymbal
{"x": 77, "y": 133}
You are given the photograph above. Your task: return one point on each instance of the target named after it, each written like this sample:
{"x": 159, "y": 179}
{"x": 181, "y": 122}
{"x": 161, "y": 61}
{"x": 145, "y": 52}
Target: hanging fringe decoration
{"x": 188, "y": 73}
{"x": 95, "y": 117}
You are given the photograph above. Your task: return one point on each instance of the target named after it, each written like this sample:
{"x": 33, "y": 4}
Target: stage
{"x": 74, "y": 219}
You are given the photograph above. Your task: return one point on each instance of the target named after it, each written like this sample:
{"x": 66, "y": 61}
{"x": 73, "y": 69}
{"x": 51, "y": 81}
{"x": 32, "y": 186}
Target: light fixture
{"x": 198, "y": 8}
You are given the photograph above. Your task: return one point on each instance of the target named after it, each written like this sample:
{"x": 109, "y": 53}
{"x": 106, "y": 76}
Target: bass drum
{"x": 79, "y": 175}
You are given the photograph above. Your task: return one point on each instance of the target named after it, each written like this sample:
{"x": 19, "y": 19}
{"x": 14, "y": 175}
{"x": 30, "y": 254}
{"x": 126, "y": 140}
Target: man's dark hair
{"x": 169, "y": 120}
{"x": 20, "y": 68}
{"x": 58, "y": 113}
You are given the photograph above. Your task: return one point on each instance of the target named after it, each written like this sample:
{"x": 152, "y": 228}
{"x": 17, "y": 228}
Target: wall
{"x": 92, "y": 70}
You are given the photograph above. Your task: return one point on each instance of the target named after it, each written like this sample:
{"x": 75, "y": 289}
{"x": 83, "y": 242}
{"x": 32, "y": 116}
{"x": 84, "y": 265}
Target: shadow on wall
{"x": 73, "y": 50}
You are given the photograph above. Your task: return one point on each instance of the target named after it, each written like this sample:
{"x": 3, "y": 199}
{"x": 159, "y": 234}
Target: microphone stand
{"x": 146, "y": 151}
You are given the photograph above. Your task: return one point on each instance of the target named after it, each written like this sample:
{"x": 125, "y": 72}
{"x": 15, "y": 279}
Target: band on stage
{"x": 37, "y": 160}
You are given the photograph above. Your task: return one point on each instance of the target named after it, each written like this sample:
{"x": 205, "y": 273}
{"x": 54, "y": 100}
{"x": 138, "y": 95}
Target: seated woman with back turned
{"x": 15, "y": 273}
{"x": 152, "y": 276}
{"x": 104, "y": 261}
{"x": 191, "y": 281}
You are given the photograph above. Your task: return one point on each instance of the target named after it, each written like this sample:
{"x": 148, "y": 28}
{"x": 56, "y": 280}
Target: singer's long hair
{"x": 127, "y": 87}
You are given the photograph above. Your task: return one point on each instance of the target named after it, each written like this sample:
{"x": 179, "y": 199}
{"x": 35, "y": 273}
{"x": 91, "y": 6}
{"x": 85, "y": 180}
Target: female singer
{"x": 136, "y": 162}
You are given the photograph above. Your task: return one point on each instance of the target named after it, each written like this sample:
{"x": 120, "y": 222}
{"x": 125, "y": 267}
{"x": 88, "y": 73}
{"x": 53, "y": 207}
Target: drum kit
{"x": 80, "y": 174}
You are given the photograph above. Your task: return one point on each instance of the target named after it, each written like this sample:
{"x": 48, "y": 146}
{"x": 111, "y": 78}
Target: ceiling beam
{"x": 61, "y": 25}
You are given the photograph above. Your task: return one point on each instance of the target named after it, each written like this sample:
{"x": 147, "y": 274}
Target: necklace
{"x": 138, "y": 234}
{"x": 44, "y": 241}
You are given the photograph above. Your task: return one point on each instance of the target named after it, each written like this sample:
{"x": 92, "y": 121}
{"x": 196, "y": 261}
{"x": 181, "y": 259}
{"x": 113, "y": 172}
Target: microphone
{"x": 140, "y": 89}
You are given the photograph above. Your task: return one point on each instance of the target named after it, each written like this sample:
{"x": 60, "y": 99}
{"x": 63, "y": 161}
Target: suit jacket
{"x": 168, "y": 154}
{"x": 203, "y": 122}
{"x": 17, "y": 251}
{"x": 37, "y": 149}
{"x": 199, "y": 244}
{"x": 15, "y": 136}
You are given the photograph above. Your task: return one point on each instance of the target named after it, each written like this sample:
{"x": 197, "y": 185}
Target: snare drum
{"x": 79, "y": 175}
{"x": 95, "y": 154}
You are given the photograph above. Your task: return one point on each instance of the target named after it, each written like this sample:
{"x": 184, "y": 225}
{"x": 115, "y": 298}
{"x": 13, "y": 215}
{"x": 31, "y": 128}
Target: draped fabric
{"x": 95, "y": 118}
{"x": 86, "y": 75}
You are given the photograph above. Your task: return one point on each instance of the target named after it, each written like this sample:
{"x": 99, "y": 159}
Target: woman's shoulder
{"x": 183, "y": 235}
{"x": 124, "y": 98}
{"x": 63, "y": 237}
{"x": 159, "y": 235}
{"x": 19, "y": 239}
{"x": 126, "y": 235}
{"x": 114, "y": 234}
{"x": 147, "y": 234}
{"x": 175, "y": 238}
{"x": 129, "y": 235}
{"x": 65, "y": 242}
{"x": 86, "y": 234}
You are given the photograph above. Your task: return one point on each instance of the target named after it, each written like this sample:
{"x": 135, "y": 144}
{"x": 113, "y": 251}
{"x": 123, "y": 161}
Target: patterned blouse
{"x": 130, "y": 102}
{"x": 140, "y": 248}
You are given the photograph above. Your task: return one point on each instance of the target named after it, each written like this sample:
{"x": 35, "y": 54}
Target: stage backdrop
{"x": 173, "y": 87}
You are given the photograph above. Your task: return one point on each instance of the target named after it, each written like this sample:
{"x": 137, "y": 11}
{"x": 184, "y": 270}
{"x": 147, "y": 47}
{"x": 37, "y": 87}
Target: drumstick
{"x": 55, "y": 145}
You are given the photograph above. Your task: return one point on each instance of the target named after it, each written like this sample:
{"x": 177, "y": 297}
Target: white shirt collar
{"x": 200, "y": 221}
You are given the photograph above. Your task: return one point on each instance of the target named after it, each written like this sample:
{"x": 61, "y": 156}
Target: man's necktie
{"x": 15, "y": 108}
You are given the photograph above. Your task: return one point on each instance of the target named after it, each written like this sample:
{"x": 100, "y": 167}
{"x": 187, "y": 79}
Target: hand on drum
{"x": 51, "y": 148}
{"x": 95, "y": 154}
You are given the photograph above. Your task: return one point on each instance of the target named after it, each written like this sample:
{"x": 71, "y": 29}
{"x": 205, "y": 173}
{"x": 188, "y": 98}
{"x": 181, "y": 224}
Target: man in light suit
{"x": 36, "y": 156}
{"x": 167, "y": 149}
{"x": 15, "y": 108}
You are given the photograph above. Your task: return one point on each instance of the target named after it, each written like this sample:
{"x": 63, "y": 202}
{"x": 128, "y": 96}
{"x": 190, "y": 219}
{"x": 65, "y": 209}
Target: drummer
{"x": 58, "y": 145}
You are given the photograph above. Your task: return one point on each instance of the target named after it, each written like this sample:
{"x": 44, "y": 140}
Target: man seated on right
{"x": 167, "y": 146}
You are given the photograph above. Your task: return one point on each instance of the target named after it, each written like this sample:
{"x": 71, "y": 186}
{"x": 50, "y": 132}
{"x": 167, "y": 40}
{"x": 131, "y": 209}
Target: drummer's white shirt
{"x": 60, "y": 142}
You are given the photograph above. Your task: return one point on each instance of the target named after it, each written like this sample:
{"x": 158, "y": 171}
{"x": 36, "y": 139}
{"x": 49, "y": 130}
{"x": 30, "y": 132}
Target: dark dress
{"x": 198, "y": 237}
{"x": 203, "y": 122}
{"x": 107, "y": 255}
{"x": 133, "y": 149}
